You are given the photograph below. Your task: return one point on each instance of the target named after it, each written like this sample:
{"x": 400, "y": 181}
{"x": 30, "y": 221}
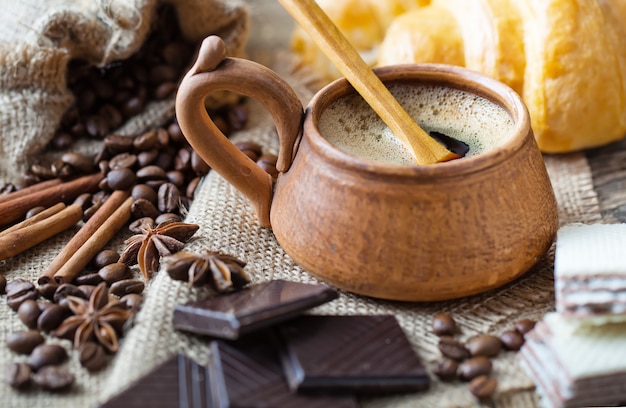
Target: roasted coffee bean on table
{"x": 18, "y": 375}
{"x": 19, "y": 291}
{"x": 512, "y": 340}
{"x": 45, "y": 355}
{"x": 53, "y": 378}
{"x": 452, "y": 348}
{"x": 24, "y": 341}
{"x": 446, "y": 369}
{"x": 484, "y": 345}
{"x": 444, "y": 325}
{"x": 28, "y": 312}
{"x": 483, "y": 386}
{"x": 474, "y": 367}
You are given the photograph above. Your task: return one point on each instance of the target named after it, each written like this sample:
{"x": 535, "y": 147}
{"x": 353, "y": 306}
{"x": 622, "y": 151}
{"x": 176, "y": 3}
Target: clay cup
{"x": 408, "y": 233}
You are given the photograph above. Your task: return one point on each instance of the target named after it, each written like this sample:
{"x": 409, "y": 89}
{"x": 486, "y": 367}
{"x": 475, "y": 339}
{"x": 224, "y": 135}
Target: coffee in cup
{"x": 352, "y": 126}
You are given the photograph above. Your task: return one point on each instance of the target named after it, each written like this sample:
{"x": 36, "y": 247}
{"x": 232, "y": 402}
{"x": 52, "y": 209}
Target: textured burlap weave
{"x": 228, "y": 224}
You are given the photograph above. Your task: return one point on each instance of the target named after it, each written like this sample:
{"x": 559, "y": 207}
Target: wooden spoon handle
{"x": 338, "y": 49}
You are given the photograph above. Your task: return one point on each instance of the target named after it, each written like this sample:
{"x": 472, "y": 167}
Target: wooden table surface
{"x": 608, "y": 168}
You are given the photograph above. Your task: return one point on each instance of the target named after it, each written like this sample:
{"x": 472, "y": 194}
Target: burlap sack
{"x": 228, "y": 224}
{"x": 38, "y": 39}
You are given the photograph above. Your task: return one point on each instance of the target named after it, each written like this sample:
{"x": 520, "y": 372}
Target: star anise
{"x": 222, "y": 272}
{"x": 99, "y": 319}
{"x": 151, "y": 243}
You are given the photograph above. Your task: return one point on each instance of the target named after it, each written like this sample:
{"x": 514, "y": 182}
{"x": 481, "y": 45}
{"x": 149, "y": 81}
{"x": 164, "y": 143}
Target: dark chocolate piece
{"x": 232, "y": 315}
{"x": 350, "y": 353}
{"x": 248, "y": 373}
{"x": 177, "y": 383}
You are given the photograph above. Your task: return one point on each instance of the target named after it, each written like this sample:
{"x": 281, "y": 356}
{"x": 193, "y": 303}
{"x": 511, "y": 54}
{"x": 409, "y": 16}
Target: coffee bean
{"x": 151, "y": 172}
{"x": 47, "y": 290}
{"x": 444, "y": 325}
{"x": 28, "y": 313}
{"x": 473, "y": 367}
{"x": 88, "y": 289}
{"x": 123, "y": 160}
{"x": 51, "y": 318}
{"x": 166, "y": 218}
{"x": 18, "y": 291}
{"x": 452, "y": 348}
{"x": 168, "y": 198}
{"x": 512, "y": 340}
{"x": 88, "y": 279}
{"x": 142, "y": 191}
{"x": 126, "y": 286}
{"x": 84, "y": 200}
{"x": 79, "y": 161}
{"x": 53, "y": 378}
{"x": 118, "y": 143}
{"x": 523, "y": 326}
{"x": 198, "y": 165}
{"x": 268, "y": 163}
{"x": 192, "y": 186}
{"x": 175, "y": 133}
{"x": 33, "y": 211}
{"x": 177, "y": 178}
{"x": 121, "y": 179}
{"x": 115, "y": 272}
{"x": 446, "y": 369}
{"x": 18, "y": 375}
{"x": 141, "y": 208}
{"x": 132, "y": 301}
{"x": 92, "y": 356}
{"x": 147, "y": 157}
{"x": 484, "y": 345}
{"x": 46, "y": 354}
{"x": 67, "y": 289}
{"x": 24, "y": 341}
{"x": 165, "y": 89}
{"x": 483, "y": 386}
{"x": 104, "y": 258}
{"x": 3, "y": 284}
{"x": 146, "y": 140}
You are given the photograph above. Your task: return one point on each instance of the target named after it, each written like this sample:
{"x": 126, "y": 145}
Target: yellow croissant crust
{"x": 566, "y": 58}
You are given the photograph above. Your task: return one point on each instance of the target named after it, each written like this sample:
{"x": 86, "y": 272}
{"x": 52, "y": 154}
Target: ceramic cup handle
{"x": 213, "y": 72}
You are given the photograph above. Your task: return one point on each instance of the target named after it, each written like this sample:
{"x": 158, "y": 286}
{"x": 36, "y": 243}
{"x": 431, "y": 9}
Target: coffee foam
{"x": 352, "y": 126}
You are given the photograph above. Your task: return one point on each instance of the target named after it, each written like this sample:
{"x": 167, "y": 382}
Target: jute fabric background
{"x": 228, "y": 224}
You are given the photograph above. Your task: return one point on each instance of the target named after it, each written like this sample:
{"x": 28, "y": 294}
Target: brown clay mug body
{"x": 411, "y": 233}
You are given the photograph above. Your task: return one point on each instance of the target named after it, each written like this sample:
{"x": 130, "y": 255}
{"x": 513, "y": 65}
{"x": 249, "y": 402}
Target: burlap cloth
{"x": 228, "y": 224}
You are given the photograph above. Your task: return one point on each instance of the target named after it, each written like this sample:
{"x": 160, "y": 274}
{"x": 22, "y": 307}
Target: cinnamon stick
{"x": 13, "y": 210}
{"x": 25, "y": 238}
{"x": 35, "y": 218}
{"x": 30, "y": 189}
{"x": 116, "y": 199}
{"x": 95, "y": 243}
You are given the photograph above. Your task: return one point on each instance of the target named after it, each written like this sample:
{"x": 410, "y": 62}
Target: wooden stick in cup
{"x": 338, "y": 49}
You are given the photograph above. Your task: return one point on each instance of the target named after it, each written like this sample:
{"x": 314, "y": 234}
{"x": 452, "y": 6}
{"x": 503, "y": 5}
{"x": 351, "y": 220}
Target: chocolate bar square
{"x": 349, "y": 354}
{"x": 178, "y": 382}
{"x": 232, "y": 315}
{"x": 247, "y": 373}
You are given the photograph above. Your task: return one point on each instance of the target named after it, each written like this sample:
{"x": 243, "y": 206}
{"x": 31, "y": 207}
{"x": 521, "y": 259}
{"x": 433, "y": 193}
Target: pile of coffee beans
{"x": 471, "y": 360}
{"x": 107, "y": 97}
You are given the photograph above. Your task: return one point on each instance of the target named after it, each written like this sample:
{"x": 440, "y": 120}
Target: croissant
{"x": 363, "y": 22}
{"x": 566, "y": 58}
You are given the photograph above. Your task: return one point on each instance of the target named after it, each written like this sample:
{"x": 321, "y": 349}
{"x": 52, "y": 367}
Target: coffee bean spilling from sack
{"x": 470, "y": 361}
